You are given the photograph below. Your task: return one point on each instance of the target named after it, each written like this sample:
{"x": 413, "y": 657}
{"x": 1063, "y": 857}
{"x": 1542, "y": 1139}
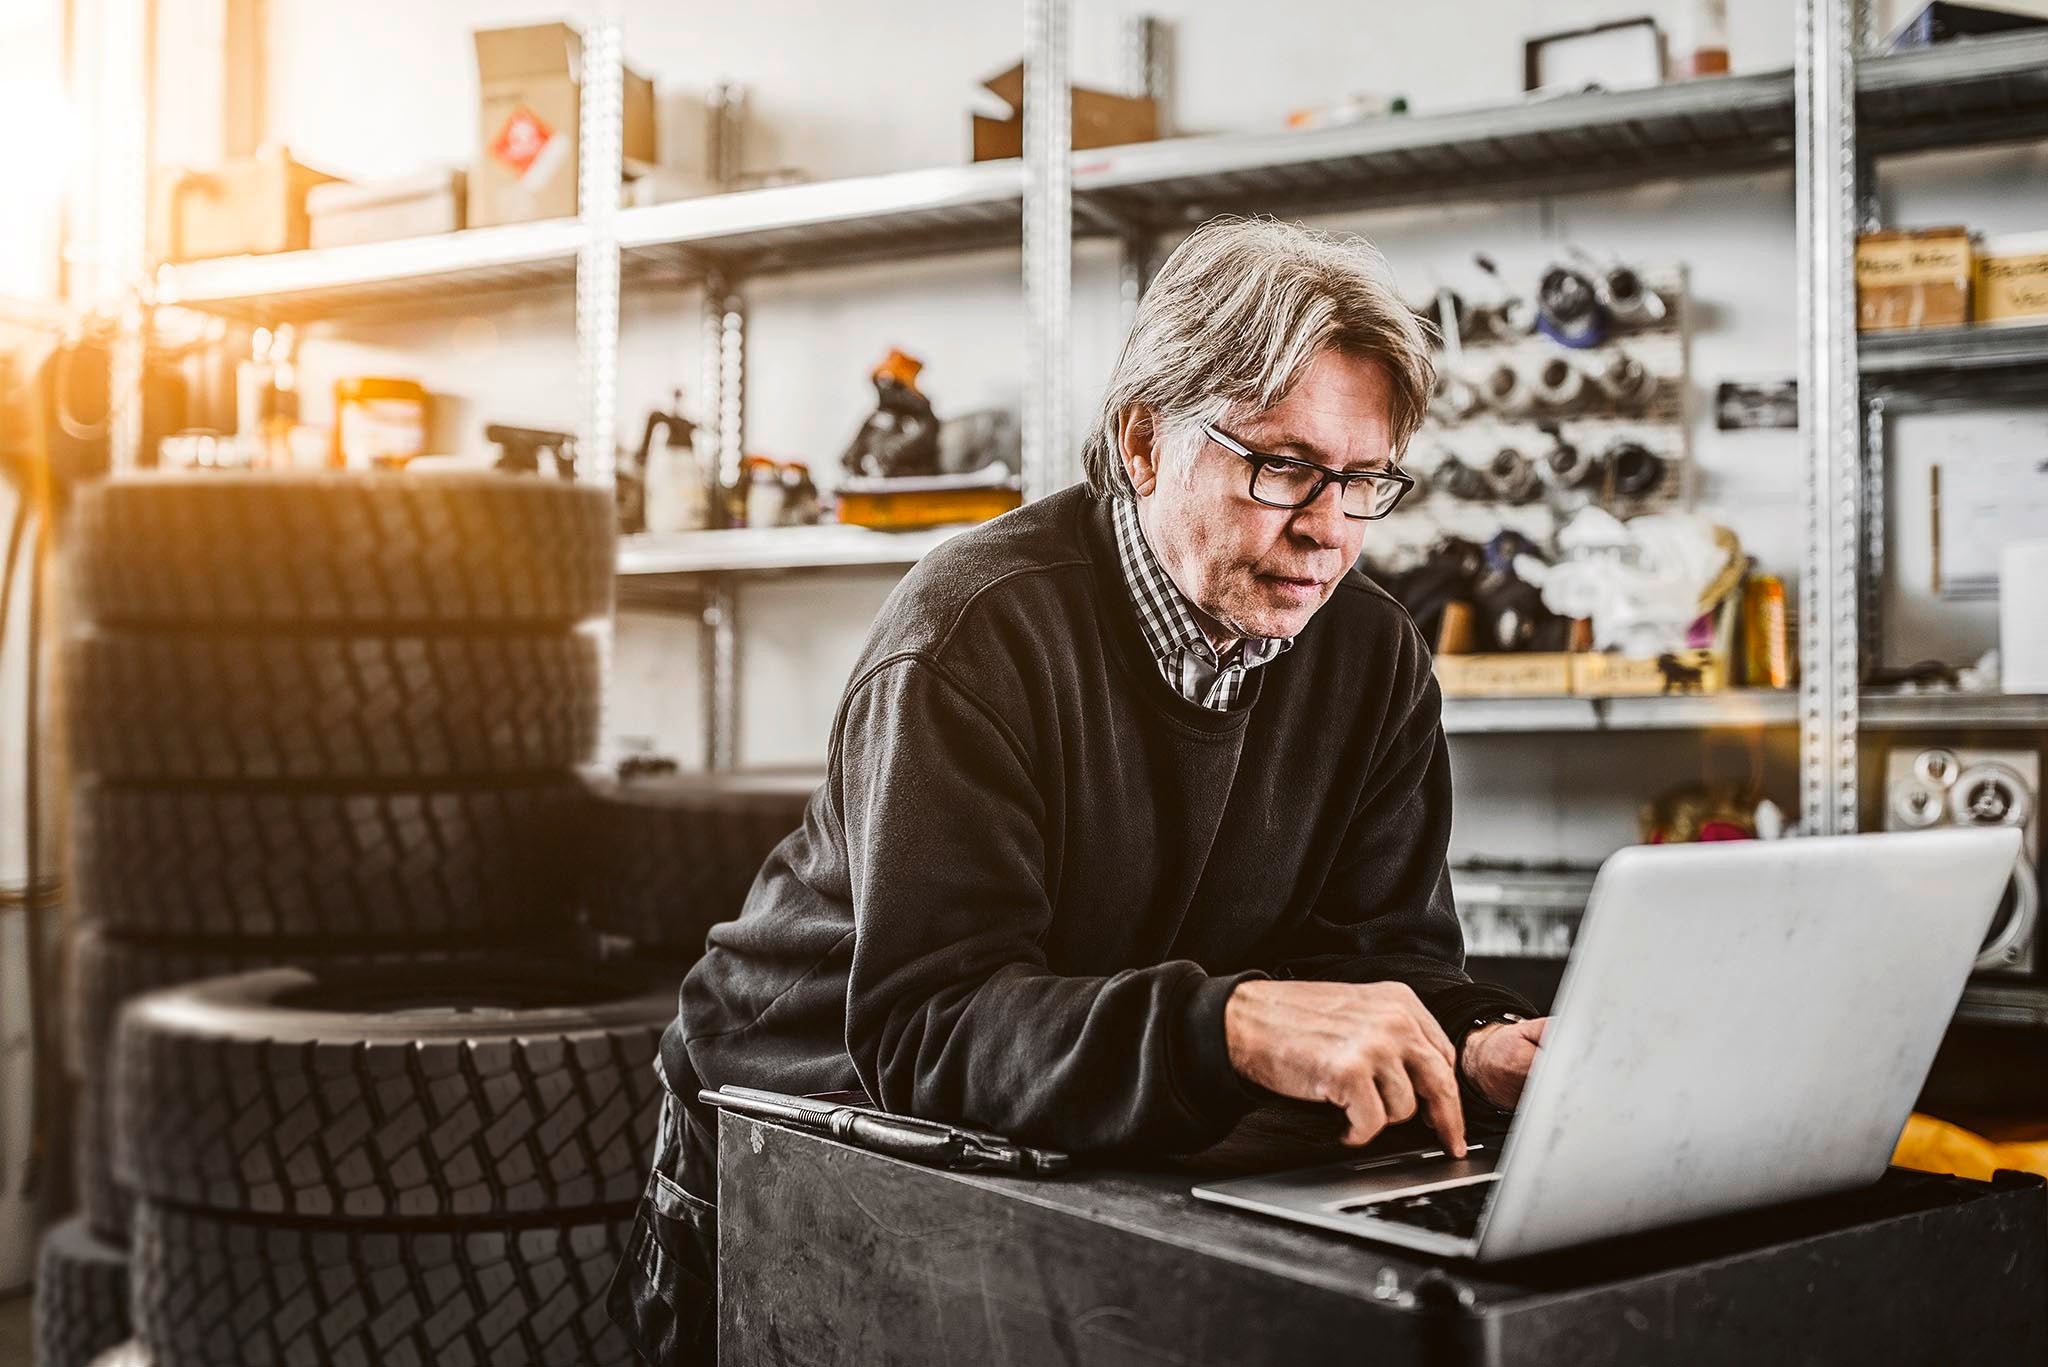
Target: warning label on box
{"x": 522, "y": 140}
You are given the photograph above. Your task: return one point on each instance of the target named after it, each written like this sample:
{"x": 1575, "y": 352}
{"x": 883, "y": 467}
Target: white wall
{"x": 382, "y": 86}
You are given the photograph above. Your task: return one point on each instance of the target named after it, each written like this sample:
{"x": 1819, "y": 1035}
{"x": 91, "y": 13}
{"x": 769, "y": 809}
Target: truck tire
{"x": 81, "y": 1305}
{"x": 107, "y": 972}
{"x": 161, "y": 707}
{"x": 299, "y": 862}
{"x": 671, "y": 855}
{"x": 216, "y": 1291}
{"x": 338, "y": 549}
{"x": 474, "y": 1090}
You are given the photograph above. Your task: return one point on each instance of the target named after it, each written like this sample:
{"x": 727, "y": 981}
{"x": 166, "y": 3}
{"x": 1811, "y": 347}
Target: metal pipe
{"x": 1558, "y": 384}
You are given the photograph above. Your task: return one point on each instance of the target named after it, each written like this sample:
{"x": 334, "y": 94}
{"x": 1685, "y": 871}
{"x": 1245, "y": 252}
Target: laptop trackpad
{"x": 1371, "y": 1179}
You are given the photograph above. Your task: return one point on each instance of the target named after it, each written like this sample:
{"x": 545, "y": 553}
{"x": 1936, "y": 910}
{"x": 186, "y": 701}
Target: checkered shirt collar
{"x": 1186, "y": 659}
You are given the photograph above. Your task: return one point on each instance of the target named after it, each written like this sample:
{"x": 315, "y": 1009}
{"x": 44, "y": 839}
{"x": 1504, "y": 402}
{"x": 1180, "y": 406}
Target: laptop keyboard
{"x": 1447, "y": 1210}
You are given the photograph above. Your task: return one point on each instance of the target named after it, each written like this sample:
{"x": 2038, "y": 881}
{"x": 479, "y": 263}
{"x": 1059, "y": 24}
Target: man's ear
{"x": 1137, "y": 443}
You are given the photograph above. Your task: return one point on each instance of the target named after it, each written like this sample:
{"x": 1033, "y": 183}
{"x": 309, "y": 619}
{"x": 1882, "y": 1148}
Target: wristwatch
{"x": 1485, "y": 1018}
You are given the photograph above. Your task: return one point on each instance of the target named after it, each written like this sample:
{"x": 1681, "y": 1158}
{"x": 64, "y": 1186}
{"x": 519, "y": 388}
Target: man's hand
{"x": 1497, "y": 1058}
{"x": 1369, "y": 1048}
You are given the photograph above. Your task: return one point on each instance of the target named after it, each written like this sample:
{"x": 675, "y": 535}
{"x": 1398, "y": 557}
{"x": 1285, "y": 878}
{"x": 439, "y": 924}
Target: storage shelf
{"x": 1738, "y": 708}
{"x": 1986, "y": 1003}
{"x": 448, "y": 268}
{"x": 1986, "y": 711}
{"x": 1940, "y": 353}
{"x": 1987, "y": 91}
{"x": 1531, "y": 145}
{"x": 766, "y": 549}
{"x": 828, "y": 223}
{"x": 1973, "y": 92}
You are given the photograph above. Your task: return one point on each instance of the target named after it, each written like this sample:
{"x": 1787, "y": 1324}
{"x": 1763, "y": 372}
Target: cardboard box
{"x": 1099, "y": 119}
{"x": 1917, "y": 278}
{"x": 1531, "y": 674}
{"x": 2012, "y": 279}
{"x": 248, "y": 206}
{"x": 1597, "y": 674}
{"x": 417, "y": 206}
{"x": 529, "y": 115}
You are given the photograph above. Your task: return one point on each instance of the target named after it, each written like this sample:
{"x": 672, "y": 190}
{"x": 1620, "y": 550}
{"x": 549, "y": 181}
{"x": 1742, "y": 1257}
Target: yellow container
{"x": 378, "y": 422}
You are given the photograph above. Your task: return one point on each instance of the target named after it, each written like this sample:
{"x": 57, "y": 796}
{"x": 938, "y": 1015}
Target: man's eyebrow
{"x": 1287, "y": 444}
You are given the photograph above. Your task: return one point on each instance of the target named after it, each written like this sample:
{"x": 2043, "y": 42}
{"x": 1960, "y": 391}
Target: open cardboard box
{"x": 529, "y": 116}
{"x": 1099, "y": 119}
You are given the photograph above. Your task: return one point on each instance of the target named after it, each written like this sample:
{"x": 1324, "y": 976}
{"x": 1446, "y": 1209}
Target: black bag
{"x": 665, "y": 1292}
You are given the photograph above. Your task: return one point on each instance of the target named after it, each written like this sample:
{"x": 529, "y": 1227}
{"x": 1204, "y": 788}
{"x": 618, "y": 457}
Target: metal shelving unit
{"x": 1831, "y": 116}
{"x": 1966, "y": 94}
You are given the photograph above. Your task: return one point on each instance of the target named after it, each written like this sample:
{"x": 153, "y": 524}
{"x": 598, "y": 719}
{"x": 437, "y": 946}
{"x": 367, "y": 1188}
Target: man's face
{"x": 1251, "y": 570}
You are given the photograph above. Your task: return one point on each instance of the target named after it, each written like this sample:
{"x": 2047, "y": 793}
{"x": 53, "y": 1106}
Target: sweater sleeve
{"x": 952, "y": 1011}
{"x": 1386, "y": 914}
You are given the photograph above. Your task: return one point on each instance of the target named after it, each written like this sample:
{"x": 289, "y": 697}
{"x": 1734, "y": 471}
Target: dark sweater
{"x": 1035, "y": 872}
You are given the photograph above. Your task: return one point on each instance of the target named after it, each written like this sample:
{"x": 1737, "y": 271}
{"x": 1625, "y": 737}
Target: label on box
{"x": 1912, "y": 261}
{"x": 2012, "y": 287}
{"x": 522, "y": 140}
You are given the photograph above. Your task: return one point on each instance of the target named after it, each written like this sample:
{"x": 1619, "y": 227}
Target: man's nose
{"x": 1322, "y": 519}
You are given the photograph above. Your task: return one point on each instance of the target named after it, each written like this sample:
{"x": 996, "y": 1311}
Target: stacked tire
{"x": 326, "y": 720}
{"x": 669, "y": 855}
{"x": 434, "y": 1166}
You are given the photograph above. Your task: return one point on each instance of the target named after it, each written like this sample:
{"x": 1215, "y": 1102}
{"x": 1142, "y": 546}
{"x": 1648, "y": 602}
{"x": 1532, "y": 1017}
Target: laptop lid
{"x": 1741, "y": 1024}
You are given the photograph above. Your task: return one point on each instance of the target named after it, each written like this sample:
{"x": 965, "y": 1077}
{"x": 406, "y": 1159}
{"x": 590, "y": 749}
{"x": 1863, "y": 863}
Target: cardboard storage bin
{"x": 248, "y": 206}
{"x": 1099, "y": 119}
{"x": 2012, "y": 279}
{"x": 529, "y": 110}
{"x": 1918, "y": 278}
{"x": 1531, "y": 674}
{"x": 417, "y": 206}
{"x": 1597, "y": 674}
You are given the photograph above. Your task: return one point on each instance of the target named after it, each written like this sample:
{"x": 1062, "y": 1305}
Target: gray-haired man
{"x": 1138, "y": 798}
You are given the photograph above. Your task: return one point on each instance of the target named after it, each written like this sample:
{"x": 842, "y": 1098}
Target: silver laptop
{"x": 1739, "y": 1024}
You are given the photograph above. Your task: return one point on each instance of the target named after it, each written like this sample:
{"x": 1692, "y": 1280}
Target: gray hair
{"x": 1235, "y": 315}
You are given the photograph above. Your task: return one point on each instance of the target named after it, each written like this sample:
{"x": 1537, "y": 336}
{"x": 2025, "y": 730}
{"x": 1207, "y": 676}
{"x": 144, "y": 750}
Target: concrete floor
{"x": 15, "y": 1345}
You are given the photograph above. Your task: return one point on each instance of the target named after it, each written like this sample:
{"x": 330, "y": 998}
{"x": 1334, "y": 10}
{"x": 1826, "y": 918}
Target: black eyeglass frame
{"x": 1259, "y": 460}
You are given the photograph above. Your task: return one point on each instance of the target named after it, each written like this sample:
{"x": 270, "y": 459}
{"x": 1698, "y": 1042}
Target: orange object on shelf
{"x": 379, "y": 423}
{"x": 901, "y": 367}
{"x": 904, "y": 510}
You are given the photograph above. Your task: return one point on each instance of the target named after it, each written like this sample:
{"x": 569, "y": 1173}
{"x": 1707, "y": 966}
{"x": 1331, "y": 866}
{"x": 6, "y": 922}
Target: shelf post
{"x": 1048, "y": 247}
{"x": 597, "y": 259}
{"x": 1824, "y": 82}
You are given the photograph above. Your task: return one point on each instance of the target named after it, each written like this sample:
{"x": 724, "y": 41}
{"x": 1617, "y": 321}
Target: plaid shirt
{"x": 1186, "y": 659}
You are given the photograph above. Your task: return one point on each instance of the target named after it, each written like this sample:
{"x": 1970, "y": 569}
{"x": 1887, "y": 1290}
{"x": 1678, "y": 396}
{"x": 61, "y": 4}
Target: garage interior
{"x": 455, "y": 457}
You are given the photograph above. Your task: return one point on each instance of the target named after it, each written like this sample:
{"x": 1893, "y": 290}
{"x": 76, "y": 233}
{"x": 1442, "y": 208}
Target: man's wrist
{"x": 1471, "y": 1047}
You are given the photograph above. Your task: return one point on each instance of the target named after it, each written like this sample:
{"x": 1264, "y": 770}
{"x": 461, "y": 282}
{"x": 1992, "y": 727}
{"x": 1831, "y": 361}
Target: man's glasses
{"x": 1283, "y": 482}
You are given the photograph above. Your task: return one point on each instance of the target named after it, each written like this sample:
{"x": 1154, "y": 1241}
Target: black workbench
{"x": 830, "y": 1254}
